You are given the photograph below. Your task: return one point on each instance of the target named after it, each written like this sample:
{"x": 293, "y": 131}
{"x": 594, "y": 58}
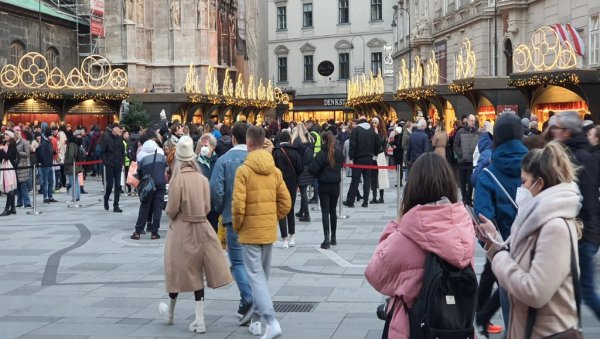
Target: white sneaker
{"x": 292, "y": 242}
{"x": 273, "y": 331}
{"x": 285, "y": 244}
{"x": 255, "y": 328}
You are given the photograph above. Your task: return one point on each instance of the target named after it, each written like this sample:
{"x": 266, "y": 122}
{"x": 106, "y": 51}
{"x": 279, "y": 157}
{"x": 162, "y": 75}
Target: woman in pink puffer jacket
{"x": 431, "y": 221}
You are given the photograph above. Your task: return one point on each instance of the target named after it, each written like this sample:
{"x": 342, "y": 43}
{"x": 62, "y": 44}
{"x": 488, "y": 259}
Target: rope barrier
{"x": 371, "y": 167}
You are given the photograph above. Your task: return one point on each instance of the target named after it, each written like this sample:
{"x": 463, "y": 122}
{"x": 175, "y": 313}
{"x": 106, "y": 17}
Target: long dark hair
{"x": 329, "y": 138}
{"x": 430, "y": 179}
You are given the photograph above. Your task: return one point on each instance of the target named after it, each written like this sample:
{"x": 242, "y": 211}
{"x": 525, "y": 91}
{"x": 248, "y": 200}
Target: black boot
{"x": 333, "y": 241}
{"x": 12, "y": 197}
{"x": 374, "y": 200}
{"x": 82, "y": 191}
{"x": 326, "y": 244}
{"x": 7, "y": 210}
{"x": 380, "y": 201}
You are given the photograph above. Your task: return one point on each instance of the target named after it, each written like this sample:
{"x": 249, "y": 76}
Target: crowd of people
{"x": 533, "y": 193}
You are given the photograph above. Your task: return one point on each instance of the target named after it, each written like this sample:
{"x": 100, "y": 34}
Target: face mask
{"x": 205, "y": 151}
{"x": 524, "y": 195}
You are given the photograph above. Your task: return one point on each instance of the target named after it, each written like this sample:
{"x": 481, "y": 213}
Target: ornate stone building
{"x": 157, "y": 40}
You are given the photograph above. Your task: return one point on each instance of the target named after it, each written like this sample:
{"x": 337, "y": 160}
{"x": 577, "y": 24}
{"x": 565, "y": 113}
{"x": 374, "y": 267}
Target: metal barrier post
{"x": 341, "y": 214}
{"x": 398, "y": 189}
{"x": 34, "y": 191}
{"x": 73, "y": 202}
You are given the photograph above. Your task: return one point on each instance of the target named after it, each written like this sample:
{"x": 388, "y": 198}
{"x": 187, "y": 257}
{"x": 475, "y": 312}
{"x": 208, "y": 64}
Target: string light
{"x": 462, "y": 88}
{"x": 560, "y": 79}
{"x": 365, "y": 90}
{"x": 415, "y": 93}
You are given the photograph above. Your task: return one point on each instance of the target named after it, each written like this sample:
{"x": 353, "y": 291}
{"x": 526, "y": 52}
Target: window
{"x": 457, "y": 3}
{"x": 344, "y": 17}
{"x": 282, "y": 69}
{"x": 344, "y": 66}
{"x": 376, "y": 63}
{"x": 376, "y": 10}
{"x": 308, "y": 18}
{"x": 52, "y": 57}
{"x": 444, "y": 7}
{"x": 308, "y": 68}
{"x": 595, "y": 40}
{"x": 17, "y": 50}
{"x": 281, "y": 18}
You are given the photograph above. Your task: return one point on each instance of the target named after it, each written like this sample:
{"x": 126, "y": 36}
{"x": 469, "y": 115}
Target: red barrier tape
{"x": 89, "y": 162}
{"x": 371, "y": 167}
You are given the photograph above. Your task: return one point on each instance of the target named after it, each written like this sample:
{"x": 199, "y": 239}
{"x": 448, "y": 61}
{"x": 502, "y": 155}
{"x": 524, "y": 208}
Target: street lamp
{"x": 394, "y": 24}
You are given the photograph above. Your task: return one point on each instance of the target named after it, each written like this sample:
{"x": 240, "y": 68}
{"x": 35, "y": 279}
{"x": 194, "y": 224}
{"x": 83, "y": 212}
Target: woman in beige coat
{"x": 440, "y": 139}
{"x": 192, "y": 250}
{"x": 536, "y": 272}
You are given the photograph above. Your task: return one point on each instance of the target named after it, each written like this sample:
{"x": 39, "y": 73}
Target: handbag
{"x": 571, "y": 333}
{"x": 131, "y": 179}
{"x": 146, "y": 187}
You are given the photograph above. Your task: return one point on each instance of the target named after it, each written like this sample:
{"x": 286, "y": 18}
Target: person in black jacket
{"x": 364, "y": 144}
{"x": 289, "y": 160}
{"x": 8, "y": 153}
{"x": 569, "y": 131}
{"x": 44, "y": 155}
{"x": 327, "y": 168}
{"x": 113, "y": 157}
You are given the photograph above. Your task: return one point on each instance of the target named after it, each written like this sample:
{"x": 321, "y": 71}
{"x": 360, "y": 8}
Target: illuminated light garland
{"x": 546, "y": 52}
{"x": 415, "y": 93}
{"x": 232, "y": 95}
{"x": 432, "y": 71}
{"x": 561, "y": 79}
{"x": 371, "y": 99}
{"x": 365, "y": 90}
{"x": 33, "y": 72}
{"x": 466, "y": 62}
{"x": 462, "y": 88}
{"x": 56, "y": 95}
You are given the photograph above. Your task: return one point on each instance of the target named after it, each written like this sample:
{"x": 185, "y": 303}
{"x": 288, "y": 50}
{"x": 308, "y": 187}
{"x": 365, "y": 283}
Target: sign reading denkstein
{"x": 388, "y": 61}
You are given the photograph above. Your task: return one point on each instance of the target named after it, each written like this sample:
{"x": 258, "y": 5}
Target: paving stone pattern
{"x": 74, "y": 273}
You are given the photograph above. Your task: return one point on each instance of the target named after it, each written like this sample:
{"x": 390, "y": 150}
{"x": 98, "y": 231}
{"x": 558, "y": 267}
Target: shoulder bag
{"x": 146, "y": 187}
{"x": 571, "y": 333}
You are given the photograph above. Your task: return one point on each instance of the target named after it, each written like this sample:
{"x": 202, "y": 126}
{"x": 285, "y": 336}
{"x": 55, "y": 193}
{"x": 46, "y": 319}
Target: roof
{"x": 34, "y": 6}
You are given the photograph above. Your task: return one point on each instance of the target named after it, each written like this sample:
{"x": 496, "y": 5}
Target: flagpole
{"x": 40, "y": 25}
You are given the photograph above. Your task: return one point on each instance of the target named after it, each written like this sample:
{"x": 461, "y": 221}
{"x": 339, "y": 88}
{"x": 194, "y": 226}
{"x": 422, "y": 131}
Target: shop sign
{"x": 334, "y": 102}
{"x": 359, "y": 70}
{"x": 508, "y": 109}
{"x": 388, "y": 61}
{"x": 325, "y": 68}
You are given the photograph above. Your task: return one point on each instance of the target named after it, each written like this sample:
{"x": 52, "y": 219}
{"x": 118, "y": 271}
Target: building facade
{"x": 155, "y": 41}
{"x": 350, "y": 34}
{"x": 496, "y": 30}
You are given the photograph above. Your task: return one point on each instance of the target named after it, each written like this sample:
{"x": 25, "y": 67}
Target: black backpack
{"x": 446, "y": 305}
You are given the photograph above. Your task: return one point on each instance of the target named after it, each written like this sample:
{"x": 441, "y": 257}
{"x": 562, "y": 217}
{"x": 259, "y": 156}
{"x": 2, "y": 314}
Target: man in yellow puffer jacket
{"x": 260, "y": 200}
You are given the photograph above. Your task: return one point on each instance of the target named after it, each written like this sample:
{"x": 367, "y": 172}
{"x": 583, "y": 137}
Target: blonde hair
{"x": 301, "y": 132}
{"x": 551, "y": 163}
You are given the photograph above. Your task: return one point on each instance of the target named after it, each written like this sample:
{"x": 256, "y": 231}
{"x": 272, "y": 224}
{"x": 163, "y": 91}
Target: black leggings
{"x": 198, "y": 295}
{"x": 328, "y": 197}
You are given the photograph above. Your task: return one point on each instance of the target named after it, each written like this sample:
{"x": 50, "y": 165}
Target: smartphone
{"x": 474, "y": 216}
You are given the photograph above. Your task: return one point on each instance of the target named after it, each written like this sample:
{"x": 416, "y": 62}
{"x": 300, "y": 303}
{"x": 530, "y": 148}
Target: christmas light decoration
{"x": 462, "y": 88}
{"x": 466, "y": 62}
{"x": 547, "y": 51}
{"x": 560, "y": 79}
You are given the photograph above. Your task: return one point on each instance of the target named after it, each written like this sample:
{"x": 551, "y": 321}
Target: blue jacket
{"x": 222, "y": 179}
{"x": 418, "y": 143}
{"x": 485, "y": 145}
{"x": 489, "y": 198}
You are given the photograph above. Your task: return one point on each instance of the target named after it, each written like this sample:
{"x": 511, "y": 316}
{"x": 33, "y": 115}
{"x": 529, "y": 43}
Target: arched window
{"x": 53, "y": 58}
{"x": 17, "y": 50}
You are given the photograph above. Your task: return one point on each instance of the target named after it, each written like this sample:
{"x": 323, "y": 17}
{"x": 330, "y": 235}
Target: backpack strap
{"x": 501, "y": 187}
{"x": 532, "y": 312}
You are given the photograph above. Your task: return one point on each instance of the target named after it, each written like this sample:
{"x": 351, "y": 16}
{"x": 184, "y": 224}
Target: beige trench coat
{"x": 545, "y": 283}
{"x": 192, "y": 250}
{"x": 439, "y": 142}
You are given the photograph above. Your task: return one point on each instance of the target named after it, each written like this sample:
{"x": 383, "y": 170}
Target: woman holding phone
{"x": 540, "y": 271}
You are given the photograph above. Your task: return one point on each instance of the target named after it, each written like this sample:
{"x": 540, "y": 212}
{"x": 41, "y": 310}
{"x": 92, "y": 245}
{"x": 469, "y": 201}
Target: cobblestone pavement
{"x": 74, "y": 273}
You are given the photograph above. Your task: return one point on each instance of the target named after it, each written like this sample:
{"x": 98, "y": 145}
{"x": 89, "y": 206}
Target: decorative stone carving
{"x": 176, "y": 13}
{"x": 202, "y": 19}
{"x": 139, "y": 15}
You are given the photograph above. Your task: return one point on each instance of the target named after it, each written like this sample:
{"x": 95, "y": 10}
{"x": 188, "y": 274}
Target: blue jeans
{"x": 23, "y": 194}
{"x": 47, "y": 181}
{"x": 74, "y": 182}
{"x": 505, "y": 305}
{"x": 587, "y": 277}
{"x": 238, "y": 269}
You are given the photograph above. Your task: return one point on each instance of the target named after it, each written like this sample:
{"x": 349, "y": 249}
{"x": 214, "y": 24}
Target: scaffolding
{"x": 85, "y": 17}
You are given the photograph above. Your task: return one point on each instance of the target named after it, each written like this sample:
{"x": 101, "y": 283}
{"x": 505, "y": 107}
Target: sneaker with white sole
{"x": 255, "y": 328}
{"x": 292, "y": 242}
{"x": 273, "y": 331}
{"x": 285, "y": 244}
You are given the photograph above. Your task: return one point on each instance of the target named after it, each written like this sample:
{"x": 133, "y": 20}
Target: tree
{"x": 136, "y": 117}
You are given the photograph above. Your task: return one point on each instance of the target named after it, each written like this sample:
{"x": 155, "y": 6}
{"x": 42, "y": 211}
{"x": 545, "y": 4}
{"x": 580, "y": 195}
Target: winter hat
{"x": 508, "y": 127}
{"x": 163, "y": 114}
{"x": 10, "y": 133}
{"x": 185, "y": 149}
{"x": 525, "y": 122}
